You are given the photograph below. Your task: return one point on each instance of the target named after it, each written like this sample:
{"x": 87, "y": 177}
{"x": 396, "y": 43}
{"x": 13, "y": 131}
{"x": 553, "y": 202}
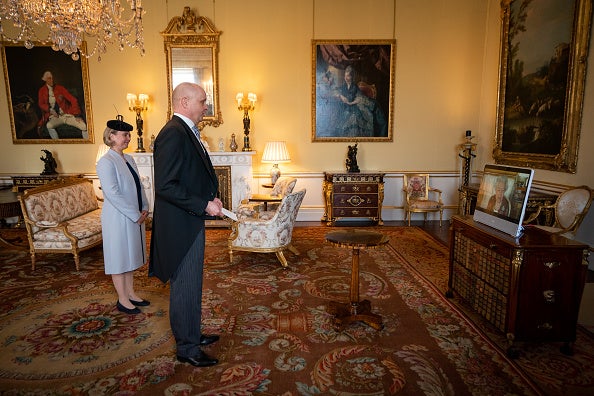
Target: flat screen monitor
{"x": 502, "y": 198}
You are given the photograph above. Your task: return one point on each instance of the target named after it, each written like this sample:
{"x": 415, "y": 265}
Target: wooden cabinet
{"x": 528, "y": 287}
{"x": 353, "y": 195}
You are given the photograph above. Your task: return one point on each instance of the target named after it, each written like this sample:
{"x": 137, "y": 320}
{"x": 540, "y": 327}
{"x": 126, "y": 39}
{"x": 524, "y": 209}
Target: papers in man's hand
{"x": 230, "y": 214}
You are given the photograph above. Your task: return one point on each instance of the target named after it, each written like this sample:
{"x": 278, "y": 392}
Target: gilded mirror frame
{"x": 187, "y": 32}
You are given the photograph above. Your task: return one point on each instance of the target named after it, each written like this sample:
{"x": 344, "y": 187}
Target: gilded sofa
{"x": 62, "y": 216}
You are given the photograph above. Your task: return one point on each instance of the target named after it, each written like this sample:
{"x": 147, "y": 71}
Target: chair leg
{"x": 230, "y": 255}
{"x": 440, "y": 217}
{"x": 32, "y": 260}
{"x": 408, "y": 215}
{"x": 293, "y": 249}
{"x": 77, "y": 262}
{"x": 282, "y": 259}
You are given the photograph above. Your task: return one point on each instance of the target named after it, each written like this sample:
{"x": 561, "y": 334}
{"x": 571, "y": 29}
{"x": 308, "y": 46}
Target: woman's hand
{"x": 143, "y": 216}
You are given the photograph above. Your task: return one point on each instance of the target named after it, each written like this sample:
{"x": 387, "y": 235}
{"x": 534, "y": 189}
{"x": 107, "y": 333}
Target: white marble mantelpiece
{"x": 241, "y": 172}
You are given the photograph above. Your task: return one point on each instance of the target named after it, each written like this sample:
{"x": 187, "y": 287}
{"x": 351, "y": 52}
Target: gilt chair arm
{"x": 437, "y": 191}
{"x": 535, "y": 215}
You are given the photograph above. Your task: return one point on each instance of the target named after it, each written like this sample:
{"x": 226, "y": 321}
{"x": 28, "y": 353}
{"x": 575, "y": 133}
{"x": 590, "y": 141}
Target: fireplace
{"x": 225, "y": 195}
{"x": 233, "y": 169}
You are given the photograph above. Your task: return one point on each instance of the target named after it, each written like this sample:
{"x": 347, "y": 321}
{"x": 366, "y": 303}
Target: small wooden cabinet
{"x": 353, "y": 195}
{"x": 529, "y": 287}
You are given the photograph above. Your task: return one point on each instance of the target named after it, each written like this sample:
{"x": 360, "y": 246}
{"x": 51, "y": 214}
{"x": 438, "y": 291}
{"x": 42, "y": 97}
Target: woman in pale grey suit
{"x": 125, "y": 208}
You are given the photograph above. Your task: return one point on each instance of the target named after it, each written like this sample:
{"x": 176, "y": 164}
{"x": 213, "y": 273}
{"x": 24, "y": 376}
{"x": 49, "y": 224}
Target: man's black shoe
{"x": 206, "y": 339}
{"x": 200, "y": 360}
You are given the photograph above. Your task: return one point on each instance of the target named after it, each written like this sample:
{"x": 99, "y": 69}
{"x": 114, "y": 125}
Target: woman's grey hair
{"x": 106, "y": 136}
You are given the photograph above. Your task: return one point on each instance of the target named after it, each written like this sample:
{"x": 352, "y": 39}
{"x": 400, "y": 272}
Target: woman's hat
{"x": 119, "y": 125}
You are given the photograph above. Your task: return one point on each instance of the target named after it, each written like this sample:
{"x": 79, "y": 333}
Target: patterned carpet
{"x": 61, "y": 334}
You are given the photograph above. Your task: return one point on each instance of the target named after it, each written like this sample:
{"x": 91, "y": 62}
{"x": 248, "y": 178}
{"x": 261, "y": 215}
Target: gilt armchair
{"x": 420, "y": 197}
{"x": 258, "y": 203}
{"x": 270, "y": 233}
{"x": 570, "y": 209}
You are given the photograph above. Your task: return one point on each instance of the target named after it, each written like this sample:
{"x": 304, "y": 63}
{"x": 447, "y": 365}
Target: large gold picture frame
{"x": 544, "y": 49}
{"x": 23, "y": 72}
{"x": 353, "y": 90}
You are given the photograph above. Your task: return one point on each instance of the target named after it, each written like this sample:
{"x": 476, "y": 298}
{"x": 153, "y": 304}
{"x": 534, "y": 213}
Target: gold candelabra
{"x": 138, "y": 105}
{"x": 246, "y": 104}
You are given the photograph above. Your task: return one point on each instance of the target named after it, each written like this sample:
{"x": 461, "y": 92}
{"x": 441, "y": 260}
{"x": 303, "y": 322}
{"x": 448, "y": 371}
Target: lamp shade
{"x": 101, "y": 152}
{"x": 276, "y": 153}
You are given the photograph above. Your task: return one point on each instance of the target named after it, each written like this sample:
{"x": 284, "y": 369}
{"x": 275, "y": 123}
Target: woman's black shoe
{"x": 121, "y": 308}
{"x": 141, "y": 303}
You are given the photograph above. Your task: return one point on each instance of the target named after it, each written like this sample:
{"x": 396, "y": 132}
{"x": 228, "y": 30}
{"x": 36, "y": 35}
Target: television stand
{"x": 529, "y": 287}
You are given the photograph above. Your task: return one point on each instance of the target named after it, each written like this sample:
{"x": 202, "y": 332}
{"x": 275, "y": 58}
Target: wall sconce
{"x": 138, "y": 105}
{"x": 275, "y": 153}
{"x": 246, "y": 106}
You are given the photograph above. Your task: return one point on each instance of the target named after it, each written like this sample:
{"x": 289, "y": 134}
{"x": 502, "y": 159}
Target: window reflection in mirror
{"x": 194, "y": 65}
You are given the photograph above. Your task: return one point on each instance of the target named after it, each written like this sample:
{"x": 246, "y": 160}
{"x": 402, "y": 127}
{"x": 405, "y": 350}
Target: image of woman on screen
{"x": 498, "y": 202}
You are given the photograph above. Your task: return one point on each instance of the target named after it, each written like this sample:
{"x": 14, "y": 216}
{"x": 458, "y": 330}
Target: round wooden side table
{"x": 355, "y": 310}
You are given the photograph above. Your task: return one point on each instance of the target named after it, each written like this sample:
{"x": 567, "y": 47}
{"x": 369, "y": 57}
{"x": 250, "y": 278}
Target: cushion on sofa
{"x": 86, "y": 228}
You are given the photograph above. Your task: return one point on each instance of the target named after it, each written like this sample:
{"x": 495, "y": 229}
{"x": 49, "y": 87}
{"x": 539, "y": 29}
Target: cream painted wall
{"x": 447, "y": 60}
{"x": 266, "y": 48}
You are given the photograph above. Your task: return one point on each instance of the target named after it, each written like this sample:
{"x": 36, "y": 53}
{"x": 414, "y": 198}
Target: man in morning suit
{"x": 185, "y": 192}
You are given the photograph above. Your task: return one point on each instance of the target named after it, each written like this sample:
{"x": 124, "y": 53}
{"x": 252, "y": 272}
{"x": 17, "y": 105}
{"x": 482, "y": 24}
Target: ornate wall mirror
{"x": 191, "y": 49}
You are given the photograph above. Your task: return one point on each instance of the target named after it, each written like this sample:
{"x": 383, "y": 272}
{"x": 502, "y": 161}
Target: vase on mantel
{"x": 233, "y": 145}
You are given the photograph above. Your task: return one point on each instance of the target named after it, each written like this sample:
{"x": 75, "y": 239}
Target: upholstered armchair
{"x": 258, "y": 203}
{"x": 271, "y": 232}
{"x": 570, "y": 209}
{"x": 420, "y": 197}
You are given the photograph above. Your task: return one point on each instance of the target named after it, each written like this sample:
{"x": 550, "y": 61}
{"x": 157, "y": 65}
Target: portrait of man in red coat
{"x": 58, "y": 107}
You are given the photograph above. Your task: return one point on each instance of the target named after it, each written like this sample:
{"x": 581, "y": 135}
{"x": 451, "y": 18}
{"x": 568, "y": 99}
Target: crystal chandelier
{"x": 70, "y": 22}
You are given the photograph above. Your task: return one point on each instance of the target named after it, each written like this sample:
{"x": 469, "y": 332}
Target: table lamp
{"x": 275, "y": 153}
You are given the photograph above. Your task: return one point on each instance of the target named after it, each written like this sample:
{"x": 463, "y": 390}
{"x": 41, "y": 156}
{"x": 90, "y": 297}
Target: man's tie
{"x": 197, "y": 133}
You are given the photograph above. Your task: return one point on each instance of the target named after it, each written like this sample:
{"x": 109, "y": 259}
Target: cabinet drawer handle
{"x": 545, "y": 326}
{"x": 549, "y": 296}
{"x": 355, "y": 200}
{"x": 552, "y": 264}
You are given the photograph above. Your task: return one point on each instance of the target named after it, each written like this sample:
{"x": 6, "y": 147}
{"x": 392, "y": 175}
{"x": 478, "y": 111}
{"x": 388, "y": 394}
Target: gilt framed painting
{"x": 353, "y": 90}
{"x": 48, "y": 95}
{"x": 544, "y": 49}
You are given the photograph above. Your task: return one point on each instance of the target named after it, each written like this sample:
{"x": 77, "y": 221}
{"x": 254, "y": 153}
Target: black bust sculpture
{"x": 351, "y": 161}
{"x": 50, "y": 163}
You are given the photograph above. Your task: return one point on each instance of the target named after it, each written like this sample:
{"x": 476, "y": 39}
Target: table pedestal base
{"x": 347, "y": 313}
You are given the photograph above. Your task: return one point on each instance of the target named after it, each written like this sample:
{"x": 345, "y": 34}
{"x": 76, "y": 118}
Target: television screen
{"x": 502, "y": 197}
